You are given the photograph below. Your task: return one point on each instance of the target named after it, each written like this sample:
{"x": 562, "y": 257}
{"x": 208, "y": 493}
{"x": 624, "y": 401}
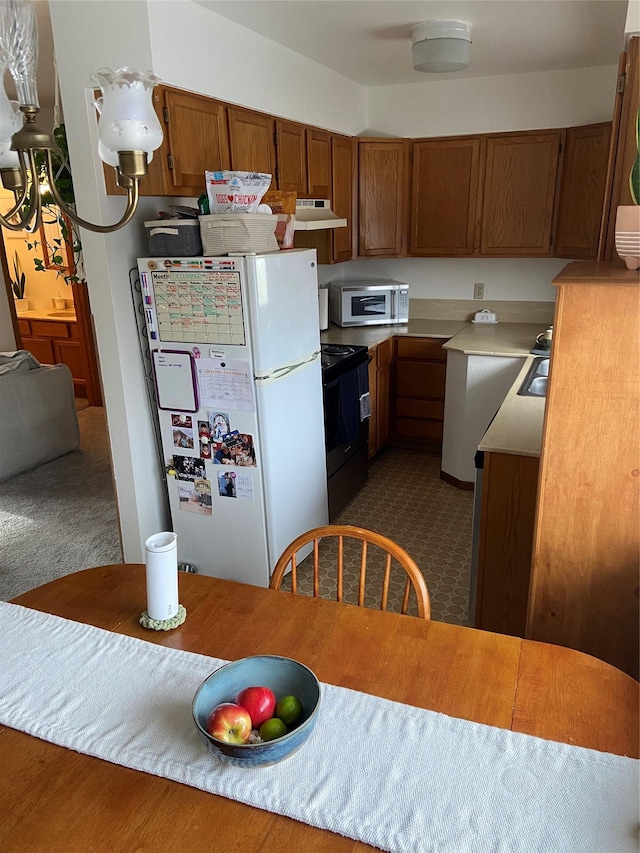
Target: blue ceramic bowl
{"x": 284, "y": 676}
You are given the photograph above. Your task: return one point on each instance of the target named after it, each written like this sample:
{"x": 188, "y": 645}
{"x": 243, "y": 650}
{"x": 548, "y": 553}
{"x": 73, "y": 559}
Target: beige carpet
{"x": 61, "y": 516}
{"x": 406, "y": 500}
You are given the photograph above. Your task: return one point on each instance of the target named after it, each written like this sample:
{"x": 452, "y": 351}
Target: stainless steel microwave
{"x": 368, "y": 303}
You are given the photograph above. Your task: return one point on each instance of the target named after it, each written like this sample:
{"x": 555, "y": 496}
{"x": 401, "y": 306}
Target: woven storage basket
{"x": 177, "y": 237}
{"x": 238, "y": 232}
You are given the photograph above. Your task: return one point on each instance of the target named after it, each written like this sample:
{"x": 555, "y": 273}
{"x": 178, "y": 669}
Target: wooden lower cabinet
{"x": 420, "y": 374}
{"x": 585, "y": 567}
{"x": 53, "y": 342}
{"x": 509, "y": 490}
{"x": 380, "y": 368}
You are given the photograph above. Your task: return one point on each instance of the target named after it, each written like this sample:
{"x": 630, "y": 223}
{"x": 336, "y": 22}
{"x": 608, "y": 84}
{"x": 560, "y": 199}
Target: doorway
{"x": 53, "y": 318}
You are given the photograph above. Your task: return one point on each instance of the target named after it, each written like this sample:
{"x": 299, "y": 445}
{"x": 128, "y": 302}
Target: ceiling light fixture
{"x": 129, "y": 130}
{"x": 440, "y": 46}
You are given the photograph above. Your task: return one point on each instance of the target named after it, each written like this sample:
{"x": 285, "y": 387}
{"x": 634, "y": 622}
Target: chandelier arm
{"x": 23, "y": 221}
{"x": 132, "y": 203}
{"x": 34, "y": 217}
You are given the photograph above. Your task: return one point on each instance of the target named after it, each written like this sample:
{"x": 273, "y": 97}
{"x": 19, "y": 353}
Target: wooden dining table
{"x": 55, "y": 799}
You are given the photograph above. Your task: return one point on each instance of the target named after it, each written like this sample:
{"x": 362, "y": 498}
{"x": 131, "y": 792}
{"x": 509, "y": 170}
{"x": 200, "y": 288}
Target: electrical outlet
{"x": 478, "y": 290}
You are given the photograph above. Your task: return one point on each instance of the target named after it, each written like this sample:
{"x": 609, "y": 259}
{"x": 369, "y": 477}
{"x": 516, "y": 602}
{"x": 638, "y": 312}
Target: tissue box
{"x": 222, "y": 233}
{"x": 175, "y": 237}
{"x": 485, "y": 316}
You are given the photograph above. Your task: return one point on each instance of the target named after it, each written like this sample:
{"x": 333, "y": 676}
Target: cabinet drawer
{"x": 431, "y": 409}
{"x": 24, "y": 326}
{"x": 384, "y": 352}
{"x": 47, "y": 329}
{"x": 421, "y": 348}
{"x": 408, "y": 428}
{"x": 420, "y": 379}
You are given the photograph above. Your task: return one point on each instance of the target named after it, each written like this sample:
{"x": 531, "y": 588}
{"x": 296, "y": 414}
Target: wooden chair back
{"x": 341, "y": 532}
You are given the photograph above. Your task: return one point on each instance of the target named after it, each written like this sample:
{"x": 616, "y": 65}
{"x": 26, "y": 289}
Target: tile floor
{"x": 406, "y": 500}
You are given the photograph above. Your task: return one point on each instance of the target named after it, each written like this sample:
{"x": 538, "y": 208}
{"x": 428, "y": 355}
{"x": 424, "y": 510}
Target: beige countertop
{"x": 517, "y": 427}
{"x": 66, "y": 315}
{"x": 501, "y": 339}
{"x": 369, "y": 336}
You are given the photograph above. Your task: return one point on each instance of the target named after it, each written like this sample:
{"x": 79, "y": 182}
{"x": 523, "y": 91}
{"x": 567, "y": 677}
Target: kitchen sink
{"x": 63, "y": 312}
{"x": 535, "y": 382}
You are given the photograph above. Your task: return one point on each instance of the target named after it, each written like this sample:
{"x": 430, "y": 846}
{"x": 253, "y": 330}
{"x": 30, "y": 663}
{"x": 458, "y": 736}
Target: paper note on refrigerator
{"x": 225, "y": 384}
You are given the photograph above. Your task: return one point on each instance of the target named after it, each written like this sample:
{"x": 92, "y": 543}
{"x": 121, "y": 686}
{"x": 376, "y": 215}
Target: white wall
{"x": 194, "y": 49}
{"x": 88, "y": 36}
{"x": 7, "y": 337}
{"x": 518, "y": 279}
{"x": 543, "y": 99}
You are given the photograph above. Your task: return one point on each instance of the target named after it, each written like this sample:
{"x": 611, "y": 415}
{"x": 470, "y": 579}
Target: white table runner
{"x": 397, "y": 777}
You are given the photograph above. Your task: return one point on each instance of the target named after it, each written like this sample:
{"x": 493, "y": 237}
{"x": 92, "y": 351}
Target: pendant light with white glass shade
{"x": 129, "y": 130}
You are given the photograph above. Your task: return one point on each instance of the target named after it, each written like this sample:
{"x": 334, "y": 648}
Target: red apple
{"x": 260, "y": 702}
{"x": 229, "y": 723}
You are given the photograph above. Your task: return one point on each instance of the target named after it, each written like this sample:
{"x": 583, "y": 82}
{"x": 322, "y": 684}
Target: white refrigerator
{"x": 235, "y": 351}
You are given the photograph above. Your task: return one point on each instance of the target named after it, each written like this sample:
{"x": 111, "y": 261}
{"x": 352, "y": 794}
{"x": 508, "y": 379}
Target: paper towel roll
{"x": 162, "y": 575}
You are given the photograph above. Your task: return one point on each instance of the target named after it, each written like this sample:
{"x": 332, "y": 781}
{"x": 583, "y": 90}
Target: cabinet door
{"x": 41, "y": 348}
{"x": 319, "y": 163}
{"x": 584, "y": 173}
{"x": 519, "y": 193}
{"x": 382, "y": 197}
{"x": 509, "y": 493}
{"x": 342, "y": 182}
{"x": 383, "y": 382}
{"x": 69, "y": 353}
{"x": 373, "y": 399}
{"x": 624, "y": 146}
{"x": 198, "y": 139}
{"x": 444, "y": 196}
{"x": 291, "y": 153}
{"x": 251, "y": 137}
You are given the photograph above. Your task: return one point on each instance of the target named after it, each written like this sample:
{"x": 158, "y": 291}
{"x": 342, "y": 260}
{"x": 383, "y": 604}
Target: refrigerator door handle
{"x": 288, "y": 368}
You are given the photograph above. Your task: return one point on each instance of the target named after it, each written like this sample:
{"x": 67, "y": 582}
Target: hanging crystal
{"x": 10, "y": 120}
{"x": 19, "y": 37}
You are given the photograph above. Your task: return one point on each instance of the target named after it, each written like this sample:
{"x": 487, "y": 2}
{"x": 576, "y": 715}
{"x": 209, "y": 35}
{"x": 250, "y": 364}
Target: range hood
{"x": 315, "y": 214}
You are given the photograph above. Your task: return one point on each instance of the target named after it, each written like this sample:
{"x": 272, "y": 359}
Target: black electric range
{"x": 338, "y": 358}
{"x": 347, "y": 460}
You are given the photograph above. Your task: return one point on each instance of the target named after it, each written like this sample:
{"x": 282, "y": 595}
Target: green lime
{"x": 273, "y": 728}
{"x": 289, "y": 709}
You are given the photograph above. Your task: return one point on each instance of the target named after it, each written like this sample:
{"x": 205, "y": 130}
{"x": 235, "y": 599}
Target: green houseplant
{"x": 18, "y": 284}
{"x": 627, "y": 233}
{"x": 58, "y": 242}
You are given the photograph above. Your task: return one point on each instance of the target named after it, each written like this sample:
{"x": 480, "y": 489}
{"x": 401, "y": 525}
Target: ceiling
{"x": 370, "y": 41}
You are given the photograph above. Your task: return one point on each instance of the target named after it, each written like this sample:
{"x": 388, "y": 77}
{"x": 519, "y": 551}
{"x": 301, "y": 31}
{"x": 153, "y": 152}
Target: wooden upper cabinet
{"x": 445, "y": 184}
{"x": 251, "y": 141}
{"x": 198, "y": 139}
{"x": 519, "y": 193}
{"x": 382, "y": 197}
{"x": 342, "y": 182}
{"x": 624, "y": 148}
{"x": 303, "y": 159}
{"x": 291, "y": 157}
{"x": 582, "y": 187}
{"x": 319, "y": 163}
